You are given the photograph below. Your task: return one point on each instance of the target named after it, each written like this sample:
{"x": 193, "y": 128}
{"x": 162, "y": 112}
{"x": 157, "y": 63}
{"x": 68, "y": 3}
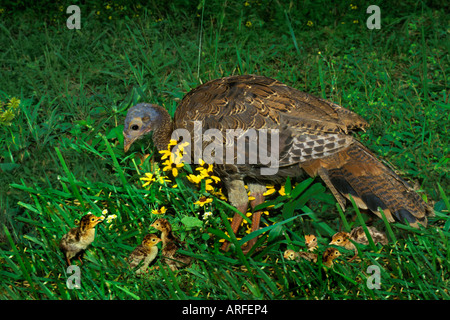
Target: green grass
{"x": 62, "y": 155}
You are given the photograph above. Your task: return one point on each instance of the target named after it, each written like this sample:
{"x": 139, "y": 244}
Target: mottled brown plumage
{"x": 144, "y": 253}
{"x": 329, "y": 255}
{"x": 294, "y": 255}
{"x": 344, "y": 239}
{"x": 314, "y": 136}
{"x": 74, "y": 242}
{"x": 170, "y": 245}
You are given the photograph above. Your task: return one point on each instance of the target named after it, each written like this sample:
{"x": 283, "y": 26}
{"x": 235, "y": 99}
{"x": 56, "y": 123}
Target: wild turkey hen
{"x": 310, "y": 135}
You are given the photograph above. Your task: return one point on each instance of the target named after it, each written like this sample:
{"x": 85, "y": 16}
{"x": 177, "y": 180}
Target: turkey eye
{"x": 134, "y": 127}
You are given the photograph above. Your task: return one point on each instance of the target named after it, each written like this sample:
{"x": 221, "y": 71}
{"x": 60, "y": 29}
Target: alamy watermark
{"x": 374, "y": 20}
{"x": 374, "y": 280}
{"x": 74, "y": 280}
{"x": 74, "y": 20}
{"x": 252, "y": 146}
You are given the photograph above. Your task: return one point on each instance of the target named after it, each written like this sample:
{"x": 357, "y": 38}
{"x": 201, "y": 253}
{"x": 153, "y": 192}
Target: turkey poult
{"x": 294, "y": 255}
{"x": 171, "y": 244}
{"x": 312, "y": 136}
{"x": 144, "y": 253}
{"x": 75, "y": 242}
{"x": 344, "y": 239}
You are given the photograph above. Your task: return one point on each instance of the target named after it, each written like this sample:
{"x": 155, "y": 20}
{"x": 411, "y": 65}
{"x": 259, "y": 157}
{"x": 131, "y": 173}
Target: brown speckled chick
{"x": 146, "y": 252}
{"x": 329, "y": 255}
{"x": 293, "y": 255}
{"x": 343, "y": 239}
{"x": 311, "y": 242}
{"x": 78, "y": 239}
{"x": 170, "y": 245}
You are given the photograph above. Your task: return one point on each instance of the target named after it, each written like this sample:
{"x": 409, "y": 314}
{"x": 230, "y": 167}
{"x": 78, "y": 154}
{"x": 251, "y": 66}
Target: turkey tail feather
{"x": 356, "y": 172}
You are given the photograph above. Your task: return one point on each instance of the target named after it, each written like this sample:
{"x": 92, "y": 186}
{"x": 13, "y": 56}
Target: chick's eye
{"x": 134, "y": 127}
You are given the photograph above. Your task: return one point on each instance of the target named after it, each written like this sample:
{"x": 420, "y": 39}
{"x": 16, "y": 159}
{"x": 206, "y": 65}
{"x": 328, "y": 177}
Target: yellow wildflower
{"x": 208, "y": 186}
{"x": 168, "y": 152}
{"x": 220, "y": 195}
{"x": 161, "y": 210}
{"x": 179, "y": 152}
{"x": 148, "y": 179}
{"x": 173, "y": 165}
{"x": 275, "y": 188}
{"x": 204, "y": 167}
{"x": 206, "y": 171}
{"x": 310, "y": 23}
{"x": 248, "y": 24}
{"x": 163, "y": 180}
{"x": 202, "y": 201}
{"x": 195, "y": 179}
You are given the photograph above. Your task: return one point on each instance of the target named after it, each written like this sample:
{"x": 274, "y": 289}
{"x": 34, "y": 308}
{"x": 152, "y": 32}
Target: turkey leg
{"x": 235, "y": 223}
{"x": 256, "y": 220}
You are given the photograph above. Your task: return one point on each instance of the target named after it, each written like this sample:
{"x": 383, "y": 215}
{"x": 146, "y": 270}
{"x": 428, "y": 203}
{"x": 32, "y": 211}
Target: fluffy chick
{"x": 311, "y": 242}
{"x": 170, "y": 245}
{"x": 329, "y": 255}
{"x": 74, "y": 242}
{"x": 344, "y": 239}
{"x": 293, "y": 255}
{"x": 358, "y": 235}
{"x": 146, "y": 252}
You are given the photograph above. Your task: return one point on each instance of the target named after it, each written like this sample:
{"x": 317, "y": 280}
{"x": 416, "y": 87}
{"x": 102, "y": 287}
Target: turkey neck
{"x": 163, "y": 129}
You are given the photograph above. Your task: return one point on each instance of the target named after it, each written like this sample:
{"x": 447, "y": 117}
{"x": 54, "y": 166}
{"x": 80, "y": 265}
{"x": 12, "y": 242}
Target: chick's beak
{"x": 98, "y": 220}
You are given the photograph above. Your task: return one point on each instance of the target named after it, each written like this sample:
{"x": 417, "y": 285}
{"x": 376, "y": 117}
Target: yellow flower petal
{"x": 269, "y": 192}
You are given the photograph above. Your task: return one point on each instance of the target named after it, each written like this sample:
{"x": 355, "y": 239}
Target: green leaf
{"x": 191, "y": 222}
{"x": 261, "y": 231}
{"x": 301, "y": 187}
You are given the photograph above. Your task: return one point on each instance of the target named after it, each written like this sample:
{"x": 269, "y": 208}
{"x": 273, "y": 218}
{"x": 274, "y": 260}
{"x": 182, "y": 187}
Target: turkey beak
{"x": 127, "y": 142}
